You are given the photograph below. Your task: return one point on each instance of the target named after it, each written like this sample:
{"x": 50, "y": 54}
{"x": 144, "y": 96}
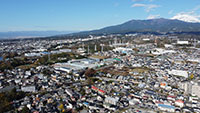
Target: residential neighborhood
{"x": 133, "y": 73}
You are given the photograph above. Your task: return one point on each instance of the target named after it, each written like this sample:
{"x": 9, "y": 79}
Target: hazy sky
{"x": 75, "y": 15}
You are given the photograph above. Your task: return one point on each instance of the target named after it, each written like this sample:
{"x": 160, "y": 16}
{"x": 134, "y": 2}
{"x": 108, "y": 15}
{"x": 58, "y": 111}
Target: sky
{"x": 80, "y": 15}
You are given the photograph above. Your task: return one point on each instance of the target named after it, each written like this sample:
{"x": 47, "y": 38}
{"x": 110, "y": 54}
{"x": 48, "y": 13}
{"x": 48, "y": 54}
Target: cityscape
{"x": 112, "y": 73}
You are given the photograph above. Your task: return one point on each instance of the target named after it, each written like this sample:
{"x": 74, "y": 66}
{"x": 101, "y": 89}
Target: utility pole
{"x": 156, "y": 41}
{"x": 49, "y": 56}
{"x": 109, "y": 43}
{"x": 95, "y": 47}
{"x": 102, "y": 47}
{"x": 88, "y": 49}
{"x": 83, "y": 46}
{"x": 115, "y": 41}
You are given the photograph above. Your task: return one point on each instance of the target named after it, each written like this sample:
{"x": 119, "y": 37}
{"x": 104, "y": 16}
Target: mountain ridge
{"x": 30, "y": 34}
{"x": 160, "y": 25}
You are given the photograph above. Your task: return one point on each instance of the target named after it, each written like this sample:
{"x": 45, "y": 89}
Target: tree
{"x": 6, "y": 99}
{"x": 191, "y": 76}
{"x": 61, "y": 107}
{"x": 5, "y": 65}
{"x": 25, "y": 110}
{"x": 89, "y": 72}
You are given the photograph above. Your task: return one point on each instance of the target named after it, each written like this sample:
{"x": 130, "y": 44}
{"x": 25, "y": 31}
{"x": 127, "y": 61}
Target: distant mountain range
{"x": 157, "y": 26}
{"x": 31, "y": 34}
{"x": 152, "y": 26}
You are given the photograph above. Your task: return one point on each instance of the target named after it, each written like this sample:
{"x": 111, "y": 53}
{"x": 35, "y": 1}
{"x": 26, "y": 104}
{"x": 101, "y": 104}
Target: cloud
{"x": 190, "y": 16}
{"x": 196, "y": 8}
{"x": 170, "y": 12}
{"x": 40, "y": 26}
{"x": 153, "y": 16}
{"x": 148, "y": 7}
{"x": 116, "y": 4}
{"x": 187, "y": 17}
{"x": 139, "y": 5}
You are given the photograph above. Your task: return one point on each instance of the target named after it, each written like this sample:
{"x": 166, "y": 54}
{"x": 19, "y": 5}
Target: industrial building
{"x": 76, "y": 65}
{"x": 178, "y": 73}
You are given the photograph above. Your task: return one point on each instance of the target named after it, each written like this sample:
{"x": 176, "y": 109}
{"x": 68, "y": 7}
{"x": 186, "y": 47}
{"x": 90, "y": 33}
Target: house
{"x": 181, "y": 73}
{"x": 179, "y": 103}
{"x": 182, "y": 42}
{"x": 133, "y": 102}
{"x": 163, "y": 85}
{"x": 28, "y": 88}
{"x": 171, "y": 98}
{"x": 102, "y": 92}
{"x": 111, "y": 100}
{"x": 167, "y": 108}
{"x": 69, "y": 92}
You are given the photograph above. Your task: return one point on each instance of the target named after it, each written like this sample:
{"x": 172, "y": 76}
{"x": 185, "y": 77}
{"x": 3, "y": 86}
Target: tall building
{"x": 191, "y": 88}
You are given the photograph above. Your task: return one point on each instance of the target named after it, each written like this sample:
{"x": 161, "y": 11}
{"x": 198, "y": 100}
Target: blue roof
{"x": 86, "y": 103}
{"x": 166, "y": 106}
{"x": 45, "y": 52}
{"x": 150, "y": 92}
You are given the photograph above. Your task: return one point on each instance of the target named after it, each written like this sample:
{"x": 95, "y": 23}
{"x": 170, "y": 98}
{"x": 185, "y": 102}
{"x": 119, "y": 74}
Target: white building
{"x": 65, "y": 69}
{"x": 75, "y": 65}
{"x": 65, "y": 50}
{"x": 196, "y": 90}
{"x": 191, "y": 88}
{"x": 168, "y": 46}
{"x": 159, "y": 51}
{"x": 178, "y": 73}
{"x": 32, "y": 54}
{"x": 69, "y": 92}
{"x": 28, "y": 89}
{"x": 133, "y": 102}
{"x": 111, "y": 100}
{"x": 146, "y": 39}
{"x": 194, "y": 60}
{"x": 123, "y": 50}
{"x": 182, "y": 42}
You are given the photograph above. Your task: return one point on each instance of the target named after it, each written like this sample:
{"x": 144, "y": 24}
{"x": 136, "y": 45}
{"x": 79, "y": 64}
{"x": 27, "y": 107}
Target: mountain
{"x": 30, "y": 34}
{"x": 160, "y": 25}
